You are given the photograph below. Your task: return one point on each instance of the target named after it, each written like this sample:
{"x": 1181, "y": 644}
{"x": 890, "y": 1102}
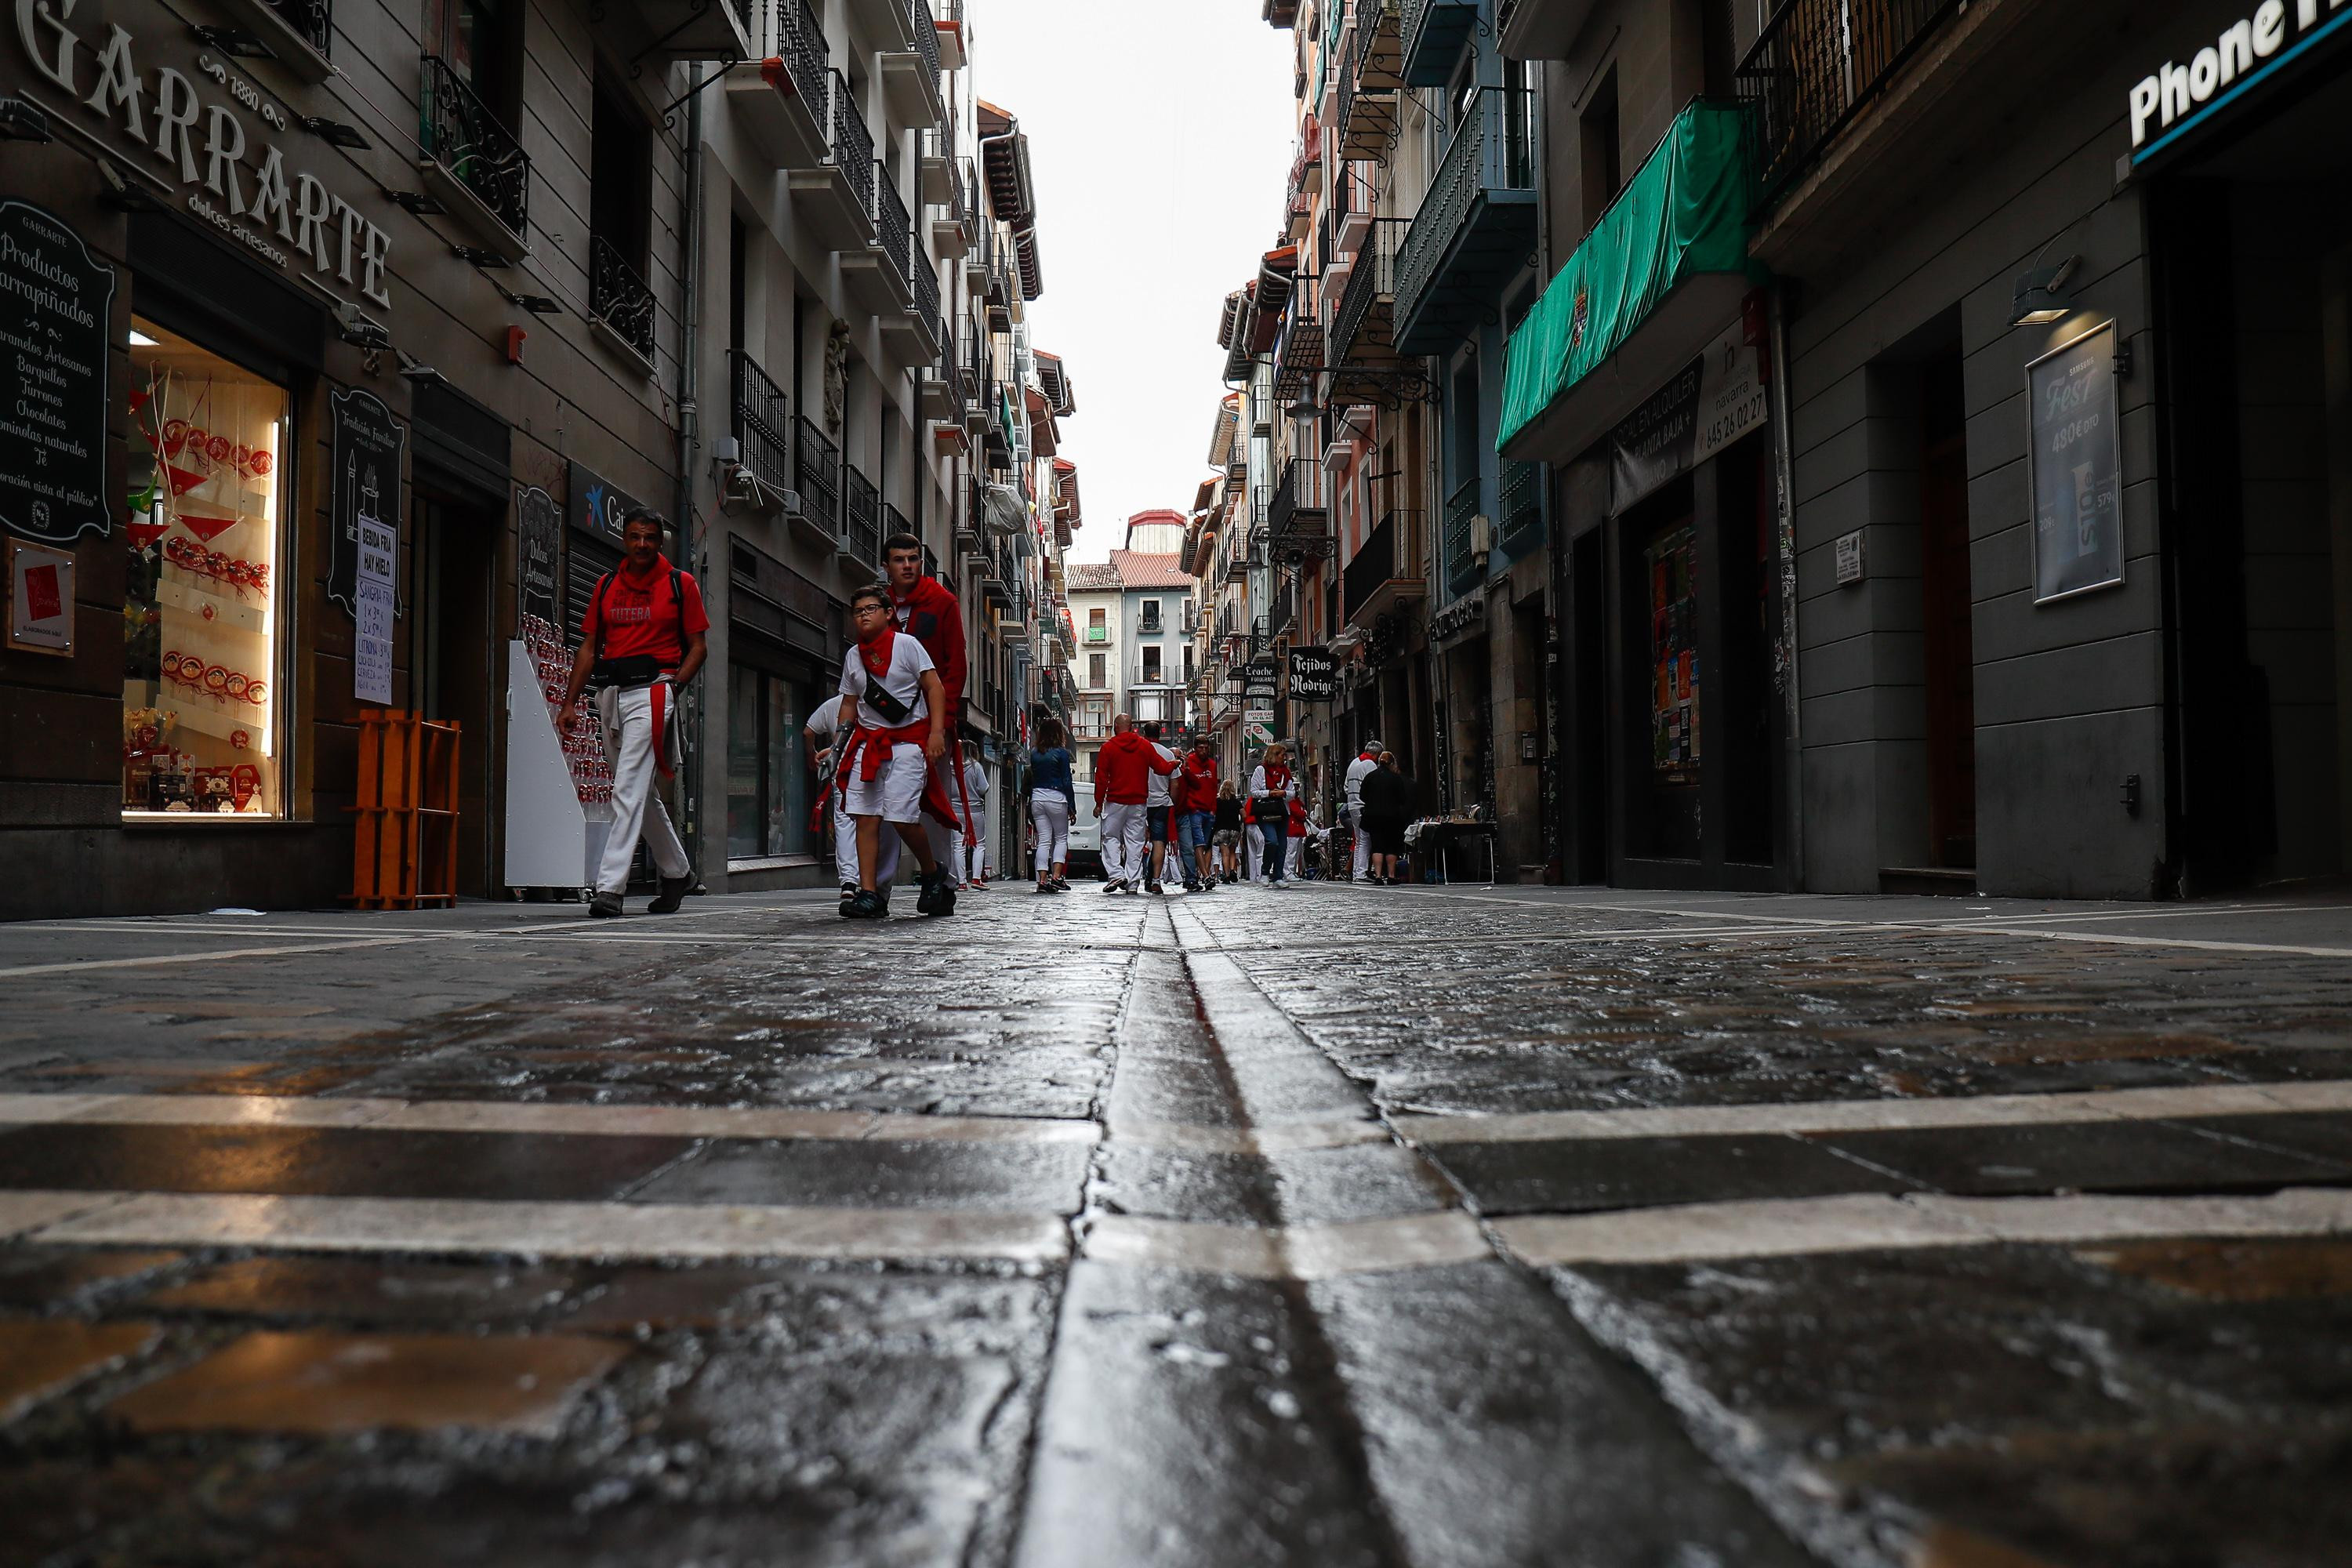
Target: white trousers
{"x": 970, "y": 861}
{"x": 1049, "y": 809}
{"x": 845, "y": 849}
{"x": 1253, "y": 861}
{"x": 1363, "y": 842}
{"x": 1295, "y": 859}
{"x": 1122, "y": 842}
{"x": 628, "y": 721}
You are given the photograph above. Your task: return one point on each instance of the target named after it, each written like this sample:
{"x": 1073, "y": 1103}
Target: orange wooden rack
{"x": 404, "y": 851}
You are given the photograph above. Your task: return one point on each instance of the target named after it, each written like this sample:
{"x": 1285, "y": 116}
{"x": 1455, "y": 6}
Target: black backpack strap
{"x": 596, "y": 603}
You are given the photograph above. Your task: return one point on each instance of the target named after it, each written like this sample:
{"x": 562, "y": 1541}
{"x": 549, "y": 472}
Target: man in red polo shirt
{"x": 926, "y": 609}
{"x": 640, "y": 638}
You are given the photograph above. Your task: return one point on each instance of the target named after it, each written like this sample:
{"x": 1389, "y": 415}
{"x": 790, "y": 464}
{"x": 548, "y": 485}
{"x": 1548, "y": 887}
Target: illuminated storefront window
{"x": 201, "y": 681}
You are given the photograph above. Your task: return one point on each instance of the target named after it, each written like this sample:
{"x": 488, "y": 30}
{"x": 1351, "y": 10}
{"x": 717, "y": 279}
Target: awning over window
{"x": 1657, "y": 279}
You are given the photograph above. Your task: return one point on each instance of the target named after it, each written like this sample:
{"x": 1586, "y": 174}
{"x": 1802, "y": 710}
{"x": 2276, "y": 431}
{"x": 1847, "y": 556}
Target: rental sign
{"x": 2177, "y": 98}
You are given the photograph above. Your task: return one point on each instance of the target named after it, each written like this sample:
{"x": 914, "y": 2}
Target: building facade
{"x": 364, "y": 329}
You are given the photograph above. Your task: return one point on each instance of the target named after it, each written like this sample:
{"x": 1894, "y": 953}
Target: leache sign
{"x": 2176, "y": 98}
{"x": 216, "y": 145}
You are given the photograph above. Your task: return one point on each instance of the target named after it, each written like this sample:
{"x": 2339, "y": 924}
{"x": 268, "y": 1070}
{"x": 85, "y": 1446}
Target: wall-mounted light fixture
{"x": 235, "y": 42}
{"x": 2041, "y": 296}
{"x": 21, "y": 122}
{"x": 338, "y": 132}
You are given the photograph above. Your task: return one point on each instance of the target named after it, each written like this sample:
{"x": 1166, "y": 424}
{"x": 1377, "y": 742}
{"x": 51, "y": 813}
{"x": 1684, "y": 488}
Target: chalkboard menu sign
{"x": 2074, "y": 462}
{"x": 364, "y": 447}
{"x": 56, "y": 311}
{"x": 539, "y": 523}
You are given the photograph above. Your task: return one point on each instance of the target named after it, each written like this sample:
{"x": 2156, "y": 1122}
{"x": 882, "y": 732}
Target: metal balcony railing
{"x": 861, "y": 517}
{"x": 852, "y": 143}
{"x": 795, "y": 38}
{"x": 927, "y": 36}
{"x": 314, "y": 20}
{"x": 1462, "y": 569}
{"x": 1380, "y": 560}
{"x": 1521, "y": 504}
{"x": 927, "y": 297}
{"x": 1493, "y": 149}
{"x": 762, "y": 422}
{"x": 459, "y": 133}
{"x": 893, "y": 229}
{"x": 816, "y": 473}
{"x": 1284, "y": 612}
{"x": 894, "y": 522}
{"x": 619, "y": 297}
{"x": 1369, "y": 300}
{"x": 1297, "y": 512}
{"x": 1815, "y": 64}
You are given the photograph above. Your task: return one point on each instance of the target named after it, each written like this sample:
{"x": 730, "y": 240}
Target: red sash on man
{"x": 935, "y": 619}
{"x": 869, "y": 748}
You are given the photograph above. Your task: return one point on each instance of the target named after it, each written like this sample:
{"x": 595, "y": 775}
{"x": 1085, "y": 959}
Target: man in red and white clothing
{"x": 1123, "y": 771}
{"x": 894, "y": 716}
{"x": 927, "y": 610}
{"x": 641, "y": 638}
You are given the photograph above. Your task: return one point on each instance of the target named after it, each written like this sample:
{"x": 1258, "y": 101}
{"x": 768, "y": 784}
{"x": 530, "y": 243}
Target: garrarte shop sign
{"x": 214, "y": 139}
{"x": 56, "y": 309}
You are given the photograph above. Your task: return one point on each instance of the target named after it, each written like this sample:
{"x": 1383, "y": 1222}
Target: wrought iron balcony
{"x": 852, "y": 143}
{"x": 1462, "y": 570}
{"x": 816, "y": 473}
{"x": 1371, "y": 60}
{"x": 1477, "y": 225}
{"x": 619, "y": 298}
{"x": 462, "y": 138}
{"x": 1815, "y": 65}
{"x": 1297, "y": 516}
{"x": 927, "y": 35}
{"x": 1375, "y": 581}
{"x": 1362, "y": 327}
{"x": 861, "y": 519}
{"x": 1520, "y": 502}
{"x": 1435, "y": 32}
{"x": 893, "y": 230}
{"x": 762, "y": 423}
{"x": 795, "y": 38}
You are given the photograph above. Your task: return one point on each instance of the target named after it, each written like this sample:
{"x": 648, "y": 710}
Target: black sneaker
{"x": 604, "y": 906}
{"x": 673, "y": 893}
{"x": 1045, "y": 887}
{"x": 938, "y": 897}
{"x": 868, "y": 907}
{"x": 848, "y": 896}
{"x": 1153, "y": 888}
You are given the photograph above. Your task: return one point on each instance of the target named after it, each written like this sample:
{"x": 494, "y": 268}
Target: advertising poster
{"x": 56, "y": 311}
{"x": 364, "y": 447}
{"x": 2076, "y": 460}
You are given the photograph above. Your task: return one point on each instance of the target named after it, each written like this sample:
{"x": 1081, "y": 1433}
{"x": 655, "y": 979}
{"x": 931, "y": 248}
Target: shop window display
{"x": 204, "y": 521}
{"x": 768, "y": 789}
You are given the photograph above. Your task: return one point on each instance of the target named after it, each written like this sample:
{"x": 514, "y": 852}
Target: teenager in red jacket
{"x": 1123, "y": 771}
{"x": 926, "y": 609}
{"x": 1196, "y": 812}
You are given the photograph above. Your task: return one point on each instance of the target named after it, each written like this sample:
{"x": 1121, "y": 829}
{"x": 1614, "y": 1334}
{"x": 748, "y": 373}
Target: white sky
{"x": 1159, "y": 138}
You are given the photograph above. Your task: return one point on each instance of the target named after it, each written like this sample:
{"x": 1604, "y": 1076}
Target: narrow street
{"x": 1331, "y": 1226}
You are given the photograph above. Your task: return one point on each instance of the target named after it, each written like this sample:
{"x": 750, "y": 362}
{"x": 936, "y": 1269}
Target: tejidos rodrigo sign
{"x": 2179, "y": 96}
{"x": 57, "y": 302}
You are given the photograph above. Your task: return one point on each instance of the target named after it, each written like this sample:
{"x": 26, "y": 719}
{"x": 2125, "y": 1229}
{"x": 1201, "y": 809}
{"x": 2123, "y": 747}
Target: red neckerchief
{"x": 1277, "y": 777}
{"x": 643, "y": 583}
{"x": 878, "y": 664}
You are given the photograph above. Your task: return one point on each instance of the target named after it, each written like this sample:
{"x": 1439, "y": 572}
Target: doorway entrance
{"x": 1946, "y": 602}
{"x": 457, "y": 670}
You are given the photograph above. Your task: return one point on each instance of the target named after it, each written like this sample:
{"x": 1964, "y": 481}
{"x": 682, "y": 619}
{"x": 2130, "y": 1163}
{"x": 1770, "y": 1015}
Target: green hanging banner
{"x": 1684, "y": 213}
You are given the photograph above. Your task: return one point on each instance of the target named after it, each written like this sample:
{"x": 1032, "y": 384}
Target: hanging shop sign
{"x": 598, "y": 505}
{"x": 2179, "y": 99}
{"x": 1314, "y": 675}
{"x": 1260, "y": 678}
{"x": 365, "y": 445}
{"x": 538, "y": 528}
{"x": 1717, "y": 399}
{"x": 181, "y": 118}
{"x": 40, "y": 598}
{"x": 2074, "y": 463}
{"x": 56, "y": 310}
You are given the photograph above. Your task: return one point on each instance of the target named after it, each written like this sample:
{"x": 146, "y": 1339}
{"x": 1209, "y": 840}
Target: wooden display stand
{"x": 404, "y": 854}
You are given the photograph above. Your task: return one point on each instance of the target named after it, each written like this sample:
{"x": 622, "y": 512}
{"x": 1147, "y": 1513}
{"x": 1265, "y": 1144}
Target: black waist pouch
{"x": 879, "y": 698}
{"x": 634, "y": 669}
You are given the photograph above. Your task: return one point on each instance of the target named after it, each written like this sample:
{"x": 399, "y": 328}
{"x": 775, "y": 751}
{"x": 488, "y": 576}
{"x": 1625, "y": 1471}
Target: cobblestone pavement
{"x": 1333, "y": 1226}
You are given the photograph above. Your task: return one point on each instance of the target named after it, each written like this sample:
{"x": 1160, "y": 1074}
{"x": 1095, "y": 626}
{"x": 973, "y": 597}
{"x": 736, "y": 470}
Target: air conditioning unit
{"x": 1482, "y": 537}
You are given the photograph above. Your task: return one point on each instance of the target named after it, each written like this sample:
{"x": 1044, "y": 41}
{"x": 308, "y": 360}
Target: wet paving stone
{"x": 399, "y": 1293}
{"x": 1304, "y": 1186}
{"x": 2082, "y": 1157}
{"x": 1582, "y": 1176}
{"x": 42, "y": 1277}
{"x": 39, "y": 1359}
{"x": 329, "y": 1161}
{"x": 321, "y": 1384}
{"x": 878, "y": 1174}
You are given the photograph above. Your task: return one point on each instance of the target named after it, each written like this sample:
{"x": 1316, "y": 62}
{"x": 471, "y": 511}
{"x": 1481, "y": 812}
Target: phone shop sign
{"x": 2182, "y": 96}
{"x": 213, "y": 137}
